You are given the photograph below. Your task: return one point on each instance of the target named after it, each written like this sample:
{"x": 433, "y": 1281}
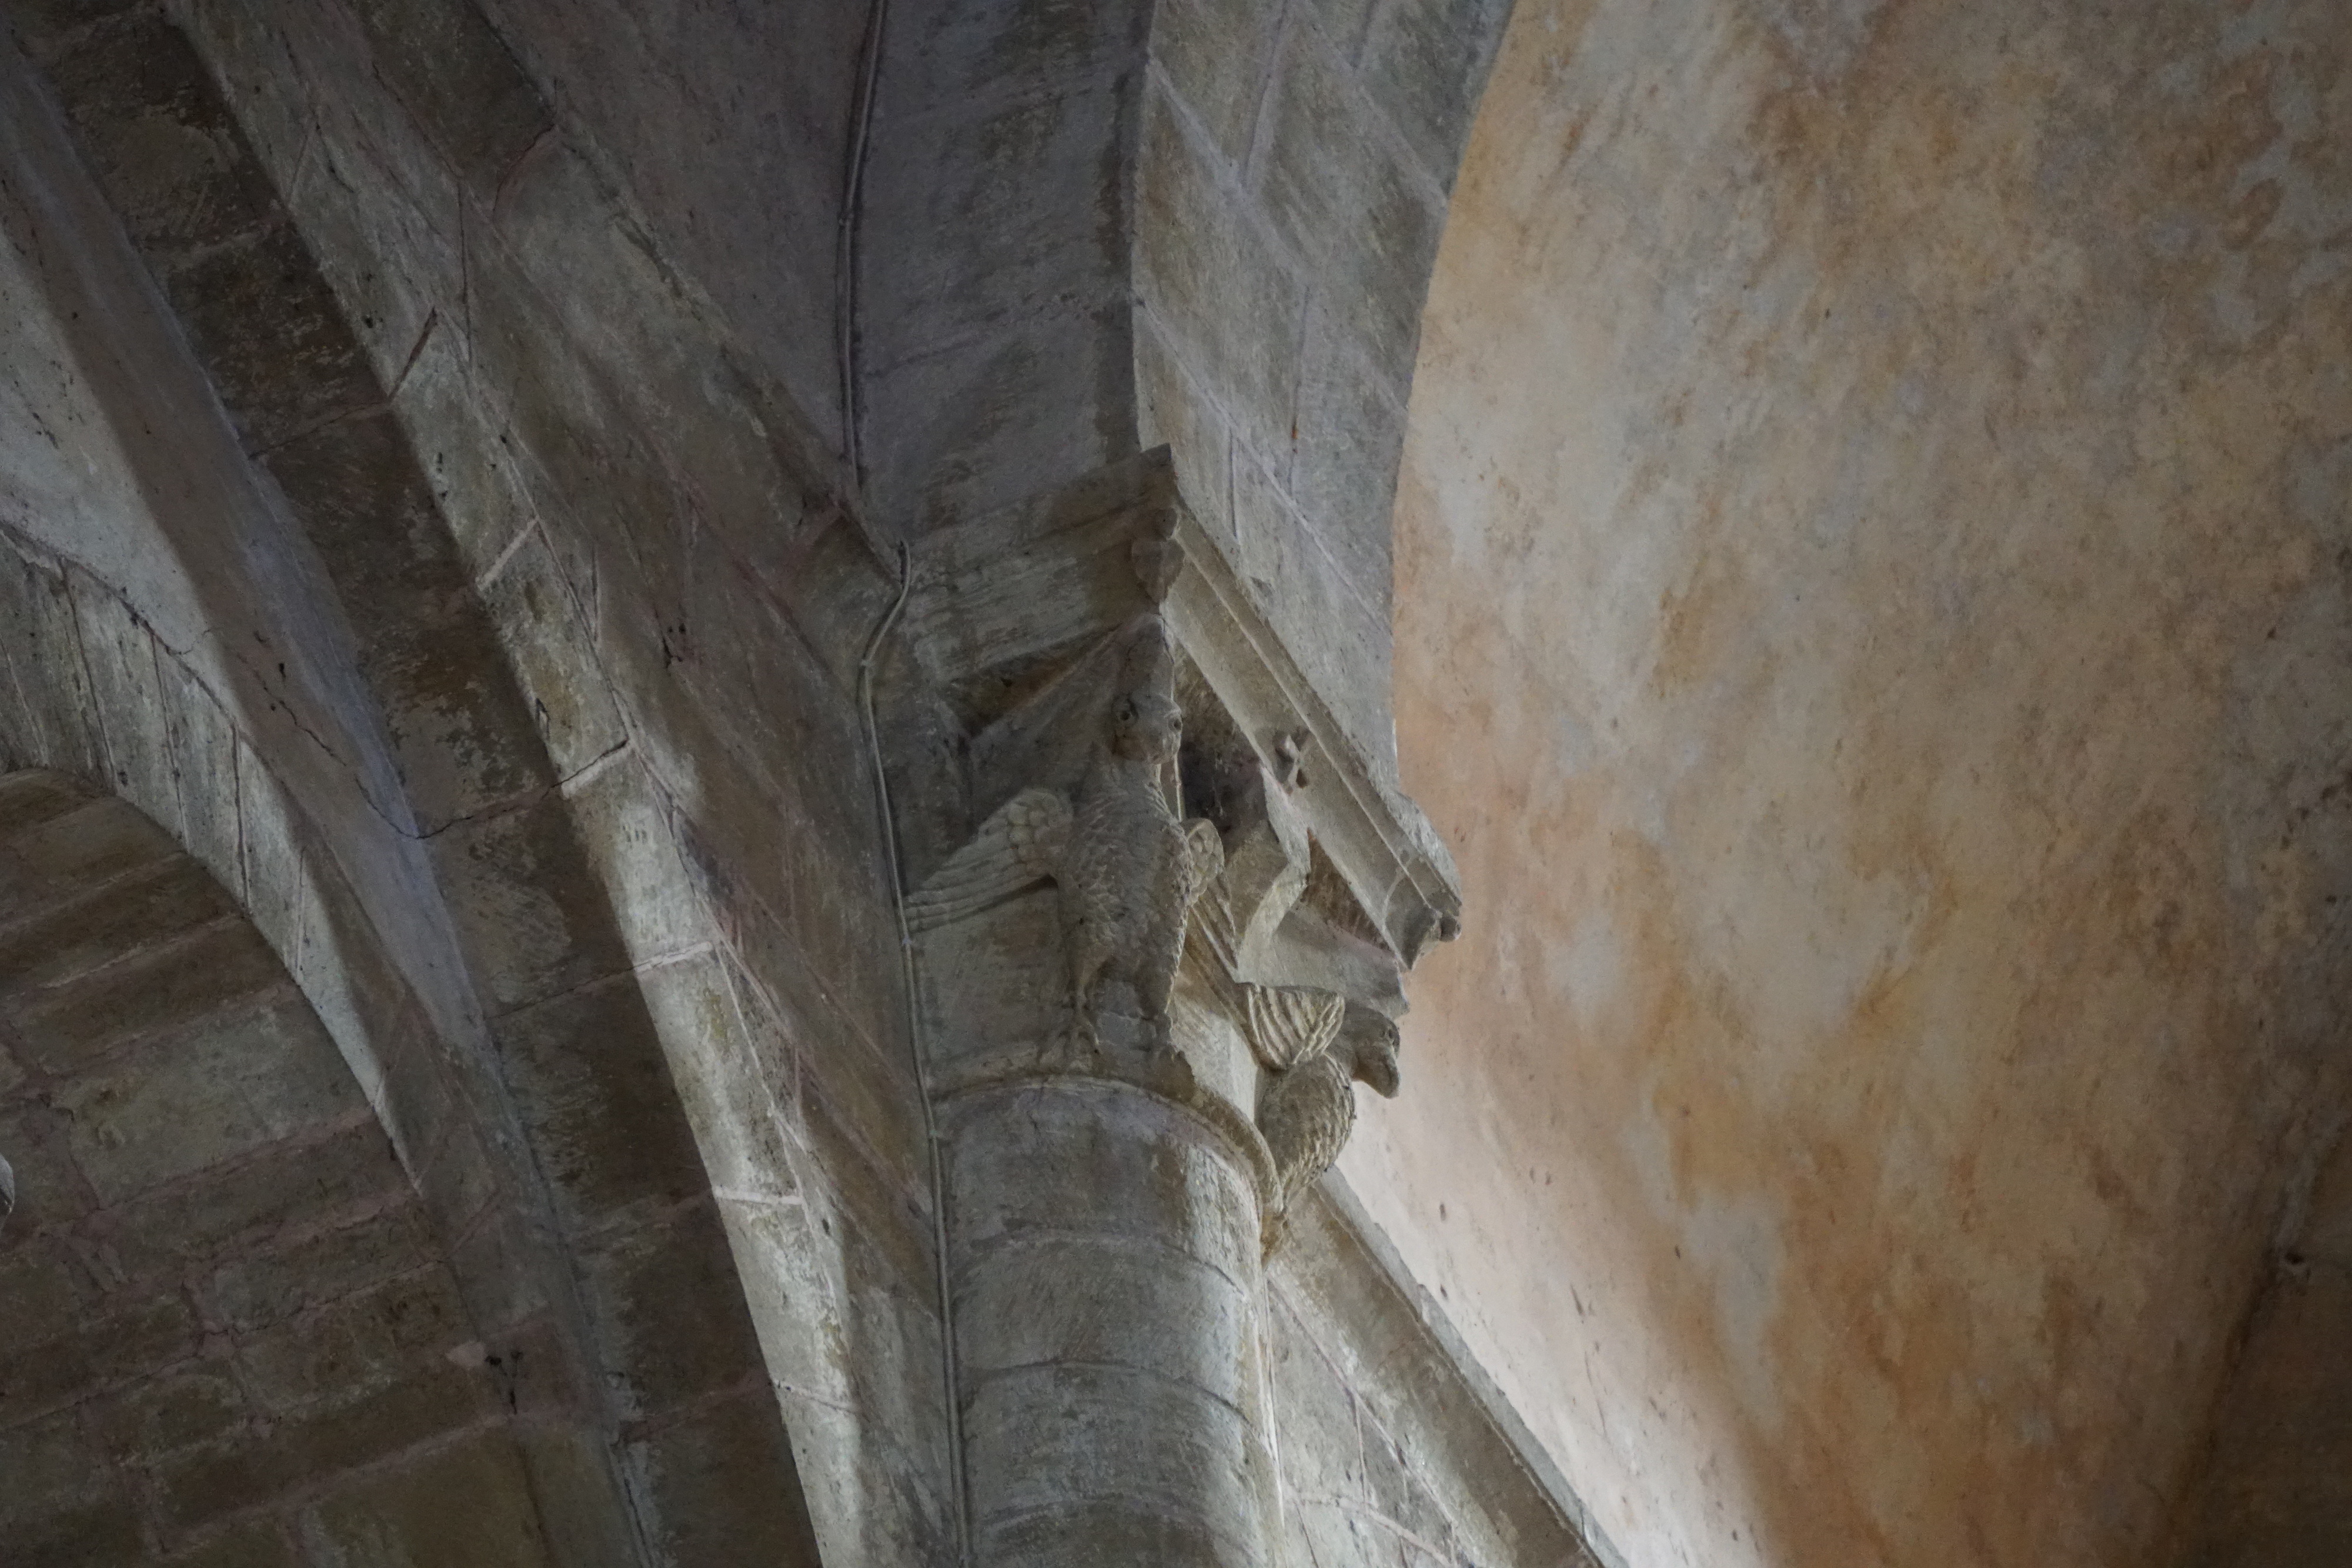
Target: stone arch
{"x": 236, "y": 1332}
{"x": 517, "y": 1063}
{"x": 1201, "y": 224}
{"x": 598, "y": 1340}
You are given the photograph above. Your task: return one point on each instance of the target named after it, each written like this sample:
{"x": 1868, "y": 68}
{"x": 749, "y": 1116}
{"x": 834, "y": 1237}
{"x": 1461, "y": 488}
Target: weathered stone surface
{"x": 179, "y": 1104}
{"x": 469, "y": 1505}
{"x": 449, "y": 66}
{"x": 512, "y": 339}
{"x": 157, "y": 136}
{"x": 1290, "y": 173}
{"x": 219, "y": 1277}
{"x": 177, "y": 983}
{"x": 665, "y": 1305}
{"x": 704, "y": 1480}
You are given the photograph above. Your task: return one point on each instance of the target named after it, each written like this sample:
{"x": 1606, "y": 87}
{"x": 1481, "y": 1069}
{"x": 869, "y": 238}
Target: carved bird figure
{"x": 1131, "y": 869}
{"x": 1308, "y": 1111}
{"x": 1126, "y": 867}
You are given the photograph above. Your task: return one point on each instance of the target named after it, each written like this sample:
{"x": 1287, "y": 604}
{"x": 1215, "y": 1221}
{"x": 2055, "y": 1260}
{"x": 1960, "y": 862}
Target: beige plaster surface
{"x": 1873, "y": 624}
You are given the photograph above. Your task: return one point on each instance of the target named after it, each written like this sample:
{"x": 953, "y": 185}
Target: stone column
{"x": 1146, "y": 984}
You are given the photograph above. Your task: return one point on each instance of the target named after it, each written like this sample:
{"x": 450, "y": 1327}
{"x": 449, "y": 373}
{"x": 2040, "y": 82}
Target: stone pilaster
{"x": 1160, "y": 913}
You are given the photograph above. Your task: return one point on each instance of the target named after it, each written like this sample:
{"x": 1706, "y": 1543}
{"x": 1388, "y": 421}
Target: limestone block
{"x": 466, "y": 89}
{"x": 1363, "y": 219}
{"x": 101, "y": 1350}
{"x": 1314, "y": 1412}
{"x": 51, "y": 1469}
{"x": 1398, "y": 1498}
{"x": 1184, "y": 415}
{"x": 357, "y": 1340}
{"x": 1215, "y": 54}
{"x": 254, "y": 1291}
{"x": 504, "y": 1266}
{"x": 873, "y": 1094}
{"x": 148, "y": 905}
{"x": 987, "y": 422}
{"x": 1426, "y": 64}
{"x": 81, "y": 849}
{"x": 120, "y": 654}
{"x": 708, "y": 1485}
{"x": 1303, "y": 591}
{"x": 667, "y": 1312}
{"x": 793, "y": 1288}
{"x": 474, "y": 475}
{"x": 716, "y": 100}
{"x": 258, "y": 1545}
{"x": 535, "y": 921}
{"x": 158, "y": 138}
{"x": 1343, "y": 467}
{"x": 553, "y": 657}
{"x": 271, "y": 337}
{"x": 1111, "y": 1304}
{"x": 207, "y": 1483}
{"x": 340, "y": 1176}
{"x": 1097, "y": 1157}
{"x": 203, "y": 761}
{"x": 1009, "y": 191}
{"x": 98, "y": 1533}
{"x": 269, "y": 854}
{"x": 733, "y": 1105}
{"x": 883, "y": 1205}
{"x": 466, "y": 1506}
{"x": 1217, "y": 282}
{"x": 579, "y": 1512}
{"x": 163, "y": 1414}
{"x": 152, "y": 990}
{"x": 868, "y": 1502}
{"x": 596, "y": 1093}
{"x": 34, "y": 795}
{"x": 1043, "y": 1438}
{"x": 47, "y": 1288}
{"x": 58, "y": 720}
{"x": 1088, "y": 1534}
{"x": 625, "y": 825}
{"x": 179, "y": 1104}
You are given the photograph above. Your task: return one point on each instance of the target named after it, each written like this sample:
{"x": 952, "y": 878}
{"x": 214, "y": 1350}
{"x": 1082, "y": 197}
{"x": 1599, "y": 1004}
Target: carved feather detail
{"x": 1204, "y": 857}
{"x": 1021, "y": 844}
{"x": 1290, "y": 1024}
{"x": 1307, "y": 1115}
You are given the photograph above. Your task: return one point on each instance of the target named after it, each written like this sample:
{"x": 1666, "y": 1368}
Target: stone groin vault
{"x": 705, "y": 713}
{"x": 703, "y": 846}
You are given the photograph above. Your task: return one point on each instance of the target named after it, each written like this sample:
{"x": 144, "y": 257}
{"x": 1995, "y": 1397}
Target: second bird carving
{"x": 1126, "y": 867}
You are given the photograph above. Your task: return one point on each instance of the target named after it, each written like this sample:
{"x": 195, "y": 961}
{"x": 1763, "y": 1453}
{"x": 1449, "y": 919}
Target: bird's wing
{"x": 1021, "y": 844}
{"x": 1291, "y": 1024}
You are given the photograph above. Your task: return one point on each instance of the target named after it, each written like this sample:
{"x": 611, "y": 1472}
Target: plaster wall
{"x": 1872, "y": 624}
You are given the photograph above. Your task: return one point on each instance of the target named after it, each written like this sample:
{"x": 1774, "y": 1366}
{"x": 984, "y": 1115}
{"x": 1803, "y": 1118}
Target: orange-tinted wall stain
{"x": 1874, "y": 622}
